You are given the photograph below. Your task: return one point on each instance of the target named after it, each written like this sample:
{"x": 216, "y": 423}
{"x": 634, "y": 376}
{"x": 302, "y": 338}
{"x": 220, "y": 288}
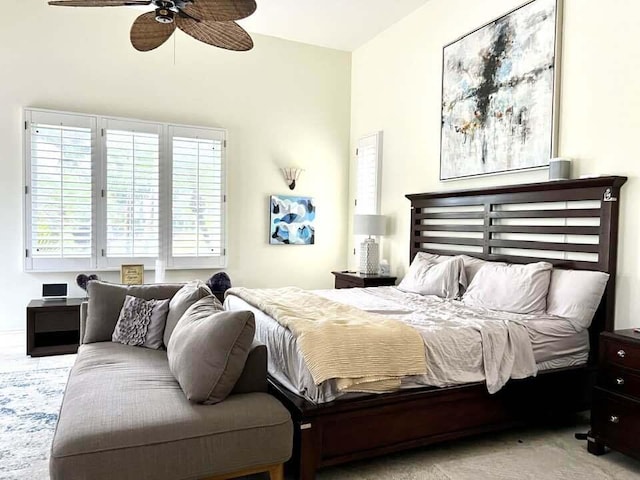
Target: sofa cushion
{"x": 124, "y": 416}
{"x": 208, "y": 350}
{"x": 141, "y": 322}
{"x": 180, "y": 303}
{"x": 105, "y": 303}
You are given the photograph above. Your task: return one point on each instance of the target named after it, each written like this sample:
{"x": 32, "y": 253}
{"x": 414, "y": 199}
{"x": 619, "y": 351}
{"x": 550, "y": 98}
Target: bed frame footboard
{"x": 348, "y": 430}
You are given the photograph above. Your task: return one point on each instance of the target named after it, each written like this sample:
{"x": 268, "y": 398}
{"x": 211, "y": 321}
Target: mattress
{"x": 554, "y": 341}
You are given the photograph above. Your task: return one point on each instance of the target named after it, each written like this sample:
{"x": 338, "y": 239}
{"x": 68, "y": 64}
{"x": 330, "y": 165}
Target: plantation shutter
{"x": 59, "y": 190}
{"x": 132, "y": 192}
{"x": 198, "y": 197}
{"x": 368, "y": 175}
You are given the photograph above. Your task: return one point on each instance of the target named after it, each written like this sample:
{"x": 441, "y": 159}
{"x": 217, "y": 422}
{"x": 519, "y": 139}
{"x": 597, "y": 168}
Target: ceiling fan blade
{"x": 147, "y": 33}
{"x": 98, "y": 3}
{"x": 220, "y": 10}
{"x": 227, "y": 35}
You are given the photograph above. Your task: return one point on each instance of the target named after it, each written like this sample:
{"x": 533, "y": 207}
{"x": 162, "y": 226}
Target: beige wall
{"x": 283, "y": 103}
{"x": 396, "y": 80}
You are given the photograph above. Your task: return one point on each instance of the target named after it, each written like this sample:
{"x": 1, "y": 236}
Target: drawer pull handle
{"x": 614, "y": 419}
{"x": 619, "y": 381}
{"x": 622, "y": 353}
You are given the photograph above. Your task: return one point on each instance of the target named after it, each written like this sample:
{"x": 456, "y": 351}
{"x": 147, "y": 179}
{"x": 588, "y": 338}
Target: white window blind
{"x": 59, "y": 230}
{"x": 368, "y": 174}
{"x": 132, "y": 153}
{"x": 197, "y": 196}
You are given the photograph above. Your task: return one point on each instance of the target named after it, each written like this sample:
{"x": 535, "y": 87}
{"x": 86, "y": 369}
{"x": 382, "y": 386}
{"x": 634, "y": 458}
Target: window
{"x": 59, "y": 227}
{"x": 369, "y": 154}
{"x": 132, "y": 153}
{"x": 101, "y": 192}
{"x": 368, "y": 176}
{"x": 197, "y": 195}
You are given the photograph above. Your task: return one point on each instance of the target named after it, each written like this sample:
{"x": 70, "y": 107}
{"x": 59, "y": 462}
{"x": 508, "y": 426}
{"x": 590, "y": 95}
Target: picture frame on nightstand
{"x": 132, "y": 274}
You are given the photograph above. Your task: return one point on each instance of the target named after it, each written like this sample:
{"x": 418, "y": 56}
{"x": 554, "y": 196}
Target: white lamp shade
{"x": 369, "y": 225}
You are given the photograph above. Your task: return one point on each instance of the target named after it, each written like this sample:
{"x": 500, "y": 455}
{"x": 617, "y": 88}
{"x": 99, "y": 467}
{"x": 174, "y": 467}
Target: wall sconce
{"x": 291, "y": 176}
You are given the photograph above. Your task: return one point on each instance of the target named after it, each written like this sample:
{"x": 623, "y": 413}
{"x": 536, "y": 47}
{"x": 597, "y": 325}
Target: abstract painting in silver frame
{"x": 500, "y": 92}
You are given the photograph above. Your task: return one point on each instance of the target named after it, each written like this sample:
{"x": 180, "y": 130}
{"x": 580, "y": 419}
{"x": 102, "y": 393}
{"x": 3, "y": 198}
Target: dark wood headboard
{"x": 572, "y": 224}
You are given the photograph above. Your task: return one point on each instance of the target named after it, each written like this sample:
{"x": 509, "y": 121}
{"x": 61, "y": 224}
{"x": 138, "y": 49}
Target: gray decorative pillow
{"x": 180, "y": 303}
{"x": 208, "y": 350}
{"x": 106, "y": 300}
{"x": 141, "y": 322}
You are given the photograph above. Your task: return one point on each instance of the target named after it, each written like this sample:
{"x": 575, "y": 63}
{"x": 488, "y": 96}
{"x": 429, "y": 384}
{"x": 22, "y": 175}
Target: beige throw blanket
{"x": 362, "y": 351}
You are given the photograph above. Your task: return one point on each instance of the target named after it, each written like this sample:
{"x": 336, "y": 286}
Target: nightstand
{"x": 615, "y": 415}
{"x": 53, "y": 326}
{"x": 360, "y": 280}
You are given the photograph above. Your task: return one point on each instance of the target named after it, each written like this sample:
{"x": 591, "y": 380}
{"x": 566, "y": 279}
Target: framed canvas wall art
{"x": 500, "y": 93}
{"x": 292, "y": 220}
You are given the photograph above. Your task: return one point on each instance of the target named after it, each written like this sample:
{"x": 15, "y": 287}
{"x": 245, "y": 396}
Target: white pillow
{"x": 471, "y": 264}
{"x": 575, "y": 295}
{"x": 442, "y": 279}
{"x": 510, "y": 288}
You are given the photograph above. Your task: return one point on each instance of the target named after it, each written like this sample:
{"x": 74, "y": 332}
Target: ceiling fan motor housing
{"x": 164, "y": 15}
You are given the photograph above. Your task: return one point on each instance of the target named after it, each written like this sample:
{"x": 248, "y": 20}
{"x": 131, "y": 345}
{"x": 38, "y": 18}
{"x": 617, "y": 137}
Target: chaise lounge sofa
{"x": 124, "y": 415}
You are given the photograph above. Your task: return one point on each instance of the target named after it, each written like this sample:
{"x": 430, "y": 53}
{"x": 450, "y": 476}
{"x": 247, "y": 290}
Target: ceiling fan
{"x": 210, "y": 21}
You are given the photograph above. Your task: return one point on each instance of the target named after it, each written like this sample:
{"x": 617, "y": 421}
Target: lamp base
{"x": 369, "y": 257}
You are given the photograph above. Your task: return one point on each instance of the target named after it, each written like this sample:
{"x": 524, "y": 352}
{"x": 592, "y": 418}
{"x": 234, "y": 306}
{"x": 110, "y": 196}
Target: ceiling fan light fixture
{"x": 164, "y": 15}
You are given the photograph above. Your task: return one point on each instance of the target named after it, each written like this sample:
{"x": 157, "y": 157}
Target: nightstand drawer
{"x": 622, "y": 353}
{"x": 348, "y": 283}
{"x": 616, "y": 420}
{"x": 619, "y": 380}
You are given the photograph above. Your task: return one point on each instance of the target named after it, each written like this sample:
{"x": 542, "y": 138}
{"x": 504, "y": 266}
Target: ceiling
{"x": 339, "y": 24}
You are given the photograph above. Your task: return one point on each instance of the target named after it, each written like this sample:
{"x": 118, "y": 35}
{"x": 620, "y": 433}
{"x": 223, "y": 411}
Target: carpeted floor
{"x": 30, "y": 398}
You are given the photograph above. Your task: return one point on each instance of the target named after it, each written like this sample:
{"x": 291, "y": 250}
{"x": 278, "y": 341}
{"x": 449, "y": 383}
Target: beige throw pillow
{"x": 208, "y": 350}
{"x": 180, "y": 303}
{"x": 510, "y": 288}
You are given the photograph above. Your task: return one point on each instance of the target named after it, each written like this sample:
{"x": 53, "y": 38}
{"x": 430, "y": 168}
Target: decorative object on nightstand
{"x": 219, "y": 283}
{"x": 371, "y": 225}
{"x": 53, "y": 328}
{"x": 160, "y": 271}
{"x": 82, "y": 280}
{"x": 132, "y": 274}
{"x": 358, "y": 280}
{"x": 615, "y": 415}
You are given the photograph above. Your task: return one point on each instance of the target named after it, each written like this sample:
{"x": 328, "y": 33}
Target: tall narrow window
{"x": 59, "y": 191}
{"x": 197, "y": 197}
{"x": 368, "y": 174}
{"x": 132, "y": 190}
{"x": 368, "y": 177}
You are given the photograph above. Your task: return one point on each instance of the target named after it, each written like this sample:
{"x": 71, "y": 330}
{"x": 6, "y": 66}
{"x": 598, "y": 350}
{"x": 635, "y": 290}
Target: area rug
{"x": 29, "y": 405}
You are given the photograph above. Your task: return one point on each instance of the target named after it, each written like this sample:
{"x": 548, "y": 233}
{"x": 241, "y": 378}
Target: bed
{"x": 570, "y": 224}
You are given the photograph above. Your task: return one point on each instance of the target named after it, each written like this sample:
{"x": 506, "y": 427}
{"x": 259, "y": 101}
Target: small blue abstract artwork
{"x": 292, "y": 220}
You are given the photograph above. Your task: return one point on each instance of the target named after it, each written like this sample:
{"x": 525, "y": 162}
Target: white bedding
{"x": 453, "y": 335}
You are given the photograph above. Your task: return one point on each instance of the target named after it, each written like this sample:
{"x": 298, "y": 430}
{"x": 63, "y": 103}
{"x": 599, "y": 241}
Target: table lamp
{"x": 369, "y": 251}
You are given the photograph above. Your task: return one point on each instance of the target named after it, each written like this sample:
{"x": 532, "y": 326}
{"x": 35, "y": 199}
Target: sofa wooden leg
{"x": 276, "y": 472}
